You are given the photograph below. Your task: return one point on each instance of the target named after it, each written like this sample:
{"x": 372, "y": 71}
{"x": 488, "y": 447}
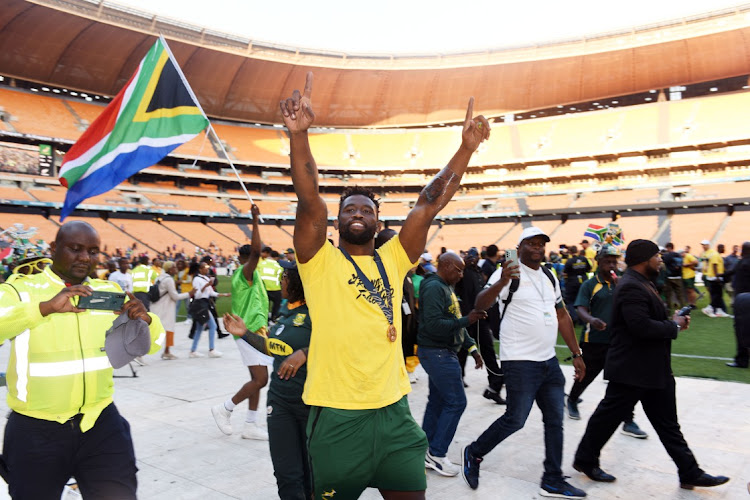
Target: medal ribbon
{"x": 385, "y": 303}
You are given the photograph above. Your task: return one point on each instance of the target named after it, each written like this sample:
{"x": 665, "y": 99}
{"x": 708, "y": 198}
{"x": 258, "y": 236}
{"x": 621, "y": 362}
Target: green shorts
{"x": 351, "y": 450}
{"x": 688, "y": 283}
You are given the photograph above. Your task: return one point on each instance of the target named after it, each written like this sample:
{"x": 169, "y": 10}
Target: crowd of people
{"x": 343, "y": 326}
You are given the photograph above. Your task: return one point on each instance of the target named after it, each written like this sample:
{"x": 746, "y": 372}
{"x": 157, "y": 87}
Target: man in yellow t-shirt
{"x": 713, "y": 274}
{"x": 361, "y": 432}
{"x": 689, "y": 264}
{"x": 590, "y": 253}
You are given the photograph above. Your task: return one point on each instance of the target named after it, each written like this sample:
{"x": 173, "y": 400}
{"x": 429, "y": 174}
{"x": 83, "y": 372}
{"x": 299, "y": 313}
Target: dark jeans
{"x": 41, "y": 456}
{"x": 674, "y": 294}
{"x": 594, "y": 356}
{"x": 446, "y": 401}
{"x": 287, "y": 440}
{"x": 274, "y": 297}
{"x": 661, "y": 409}
{"x": 525, "y": 382}
{"x": 716, "y": 291}
{"x": 482, "y": 334}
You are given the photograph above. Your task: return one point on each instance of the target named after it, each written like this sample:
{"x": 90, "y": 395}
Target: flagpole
{"x": 210, "y": 126}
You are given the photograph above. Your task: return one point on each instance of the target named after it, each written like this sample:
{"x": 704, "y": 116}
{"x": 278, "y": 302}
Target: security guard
{"x": 270, "y": 273}
{"x": 63, "y": 422}
{"x": 143, "y": 277}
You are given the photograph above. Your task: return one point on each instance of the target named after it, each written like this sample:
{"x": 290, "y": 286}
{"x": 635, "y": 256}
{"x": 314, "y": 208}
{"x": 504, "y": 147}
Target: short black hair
{"x": 275, "y": 254}
{"x": 492, "y": 250}
{"x": 266, "y": 250}
{"x": 294, "y": 290}
{"x": 358, "y": 190}
{"x": 246, "y": 250}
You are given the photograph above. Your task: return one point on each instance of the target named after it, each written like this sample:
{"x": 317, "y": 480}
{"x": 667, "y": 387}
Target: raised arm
{"x": 443, "y": 186}
{"x": 255, "y": 243}
{"x": 312, "y": 215}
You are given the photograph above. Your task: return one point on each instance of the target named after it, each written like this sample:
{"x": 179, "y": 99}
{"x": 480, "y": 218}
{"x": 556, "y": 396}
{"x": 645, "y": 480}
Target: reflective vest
{"x": 270, "y": 272}
{"x": 143, "y": 278}
{"x": 57, "y": 366}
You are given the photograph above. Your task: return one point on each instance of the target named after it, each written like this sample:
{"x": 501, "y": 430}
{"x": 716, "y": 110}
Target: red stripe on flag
{"x": 99, "y": 129}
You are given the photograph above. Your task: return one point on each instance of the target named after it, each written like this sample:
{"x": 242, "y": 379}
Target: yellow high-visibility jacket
{"x": 57, "y": 366}
{"x": 143, "y": 277}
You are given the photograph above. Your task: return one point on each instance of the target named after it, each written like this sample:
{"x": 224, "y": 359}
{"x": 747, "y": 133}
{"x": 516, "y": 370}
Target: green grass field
{"x": 712, "y": 337}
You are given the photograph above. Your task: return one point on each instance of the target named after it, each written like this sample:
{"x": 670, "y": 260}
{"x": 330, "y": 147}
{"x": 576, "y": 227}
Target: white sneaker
{"x": 140, "y": 361}
{"x": 222, "y": 416}
{"x": 721, "y": 314}
{"x": 195, "y": 354}
{"x": 708, "y": 311}
{"x": 253, "y": 431}
{"x": 214, "y": 353}
{"x": 413, "y": 378}
{"x": 441, "y": 465}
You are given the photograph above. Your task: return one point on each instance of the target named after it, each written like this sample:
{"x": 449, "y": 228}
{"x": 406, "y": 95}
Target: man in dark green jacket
{"x": 441, "y": 334}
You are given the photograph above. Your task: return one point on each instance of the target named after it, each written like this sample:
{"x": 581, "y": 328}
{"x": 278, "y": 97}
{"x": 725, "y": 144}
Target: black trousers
{"x": 42, "y": 455}
{"x": 661, "y": 409}
{"x": 274, "y": 297}
{"x": 481, "y": 333}
{"x": 716, "y": 291}
{"x": 742, "y": 328}
{"x": 287, "y": 438}
{"x": 594, "y": 356}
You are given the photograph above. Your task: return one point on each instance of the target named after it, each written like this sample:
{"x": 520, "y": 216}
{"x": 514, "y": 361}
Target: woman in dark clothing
{"x": 288, "y": 341}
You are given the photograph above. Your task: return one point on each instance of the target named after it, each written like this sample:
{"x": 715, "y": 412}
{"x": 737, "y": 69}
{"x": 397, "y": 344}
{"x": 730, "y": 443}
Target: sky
{"x": 420, "y": 26}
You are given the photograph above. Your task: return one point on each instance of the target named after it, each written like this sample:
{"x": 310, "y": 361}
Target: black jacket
{"x": 640, "y": 351}
{"x": 741, "y": 279}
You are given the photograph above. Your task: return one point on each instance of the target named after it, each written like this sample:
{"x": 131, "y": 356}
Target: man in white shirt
{"x": 122, "y": 277}
{"x": 531, "y": 311}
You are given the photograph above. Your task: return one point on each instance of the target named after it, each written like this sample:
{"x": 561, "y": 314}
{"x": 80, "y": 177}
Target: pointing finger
{"x": 469, "y": 111}
{"x": 308, "y": 85}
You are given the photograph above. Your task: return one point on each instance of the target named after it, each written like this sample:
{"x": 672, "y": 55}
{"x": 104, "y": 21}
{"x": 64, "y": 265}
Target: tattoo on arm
{"x": 311, "y": 170}
{"x": 256, "y": 341}
{"x": 435, "y": 191}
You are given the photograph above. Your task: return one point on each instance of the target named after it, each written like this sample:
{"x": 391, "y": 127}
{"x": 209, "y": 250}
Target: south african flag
{"x": 153, "y": 114}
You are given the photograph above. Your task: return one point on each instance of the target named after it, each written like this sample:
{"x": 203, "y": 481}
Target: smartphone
{"x": 107, "y": 301}
{"x": 511, "y": 256}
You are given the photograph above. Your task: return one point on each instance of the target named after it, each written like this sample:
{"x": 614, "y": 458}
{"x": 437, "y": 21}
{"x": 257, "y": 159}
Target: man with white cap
{"x": 532, "y": 310}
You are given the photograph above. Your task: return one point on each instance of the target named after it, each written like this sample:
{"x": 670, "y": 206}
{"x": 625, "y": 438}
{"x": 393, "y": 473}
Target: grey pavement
{"x": 182, "y": 454}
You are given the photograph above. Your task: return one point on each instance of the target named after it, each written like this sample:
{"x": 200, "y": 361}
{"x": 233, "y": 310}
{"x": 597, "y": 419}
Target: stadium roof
{"x": 95, "y": 46}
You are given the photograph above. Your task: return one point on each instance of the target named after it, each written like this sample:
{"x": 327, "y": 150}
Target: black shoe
{"x": 595, "y": 473}
{"x": 222, "y": 335}
{"x": 704, "y": 481}
{"x": 465, "y": 384}
{"x": 470, "y": 468}
{"x": 560, "y": 488}
{"x": 734, "y": 364}
{"x": 572, "y": 410}
{"x": 577, "y": 402}
{"x": 191, "y": 334}
{"x": 494, "y": 396}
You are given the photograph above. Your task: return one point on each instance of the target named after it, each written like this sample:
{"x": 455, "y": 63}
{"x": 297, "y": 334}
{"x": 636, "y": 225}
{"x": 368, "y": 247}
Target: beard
{"x": 651, "y": 273}
{"x": 362, "y": 238}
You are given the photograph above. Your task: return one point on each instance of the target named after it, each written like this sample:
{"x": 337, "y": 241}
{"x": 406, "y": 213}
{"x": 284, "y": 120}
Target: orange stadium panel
{"x": 203, "y": 235}
{"x": 46, "y": 229}
{"x": 549, "y": 202}
{"x": 39, "y": 114}
{"x": 691, "y": 229}
{"x": 464, "y": 236}
{"x": 571, "y": 233}
{"x": 638, "y": 227}
{"x": 620, "y": 198}
{"x": 737, "y": 230}
{"x": 256, "y": 145}
{"x": 199, "y": 146}
{"x": 231, "y": 231}
{"x": 14, "y": 193}
{"x": 154, "y": 235}
{"x": 111, "y": 236}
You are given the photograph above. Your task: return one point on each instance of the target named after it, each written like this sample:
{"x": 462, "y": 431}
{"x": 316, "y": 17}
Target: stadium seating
{"x": 689, "y": 229}
{"x": 39, "y": 115}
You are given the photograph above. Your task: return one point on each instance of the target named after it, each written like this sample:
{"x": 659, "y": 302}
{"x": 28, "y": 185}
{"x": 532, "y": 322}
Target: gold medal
{"x": 391, "y": 333}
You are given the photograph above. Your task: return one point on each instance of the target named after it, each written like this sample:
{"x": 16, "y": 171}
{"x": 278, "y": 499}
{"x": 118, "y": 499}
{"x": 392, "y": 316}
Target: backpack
{"x": 153, "y": 292}
{"x": 514, "y": 286}
{"x": 674, "y": 265}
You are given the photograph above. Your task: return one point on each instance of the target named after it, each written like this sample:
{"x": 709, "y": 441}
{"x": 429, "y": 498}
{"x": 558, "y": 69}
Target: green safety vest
{"x": 143, "y": 278}
{"x": 270, "y": 272}
{"x": 57, "y": 366}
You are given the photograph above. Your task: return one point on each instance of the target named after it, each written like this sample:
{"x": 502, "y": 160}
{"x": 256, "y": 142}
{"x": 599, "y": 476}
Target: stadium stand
{"x": 39, "y": 115}
{"x": 691, "y": 228}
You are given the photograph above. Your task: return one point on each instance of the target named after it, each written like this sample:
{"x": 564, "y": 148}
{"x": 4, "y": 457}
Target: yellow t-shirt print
{"x": 352, "y": 365}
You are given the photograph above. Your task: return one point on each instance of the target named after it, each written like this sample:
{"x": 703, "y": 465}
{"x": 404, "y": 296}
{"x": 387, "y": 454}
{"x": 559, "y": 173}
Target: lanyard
{"x": 533, "y": 282}
{"x": 384, "y": 302}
